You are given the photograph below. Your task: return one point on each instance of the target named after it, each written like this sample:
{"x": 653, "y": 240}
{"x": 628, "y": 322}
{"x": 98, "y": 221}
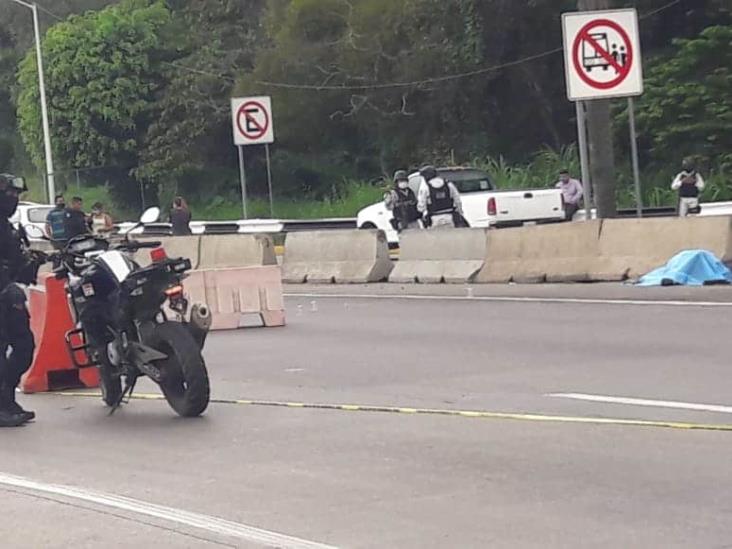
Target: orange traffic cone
{"x": 51, "y": 320}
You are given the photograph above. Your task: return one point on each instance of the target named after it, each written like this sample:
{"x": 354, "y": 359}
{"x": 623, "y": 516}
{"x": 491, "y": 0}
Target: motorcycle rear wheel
{"x": 185, "y": 382}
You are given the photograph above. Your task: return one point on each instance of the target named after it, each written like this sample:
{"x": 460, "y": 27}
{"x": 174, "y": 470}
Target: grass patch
{"x": 351, "y": 198}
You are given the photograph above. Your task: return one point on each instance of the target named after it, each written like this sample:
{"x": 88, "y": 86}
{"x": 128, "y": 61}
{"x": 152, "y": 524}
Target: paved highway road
{"x": 549, "y": 473}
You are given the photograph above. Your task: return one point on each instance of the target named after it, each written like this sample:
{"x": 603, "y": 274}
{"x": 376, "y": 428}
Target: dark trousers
{"x": 569, "y": 211}
{"x": 16, "y": 335}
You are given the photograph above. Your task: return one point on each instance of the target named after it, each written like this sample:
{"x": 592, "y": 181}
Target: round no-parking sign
{"x": 252, "y": 120}
{"x": 602, "y": 54}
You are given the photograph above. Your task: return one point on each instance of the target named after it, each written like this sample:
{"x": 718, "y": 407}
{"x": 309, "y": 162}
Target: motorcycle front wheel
{"x": 184, "y": 380}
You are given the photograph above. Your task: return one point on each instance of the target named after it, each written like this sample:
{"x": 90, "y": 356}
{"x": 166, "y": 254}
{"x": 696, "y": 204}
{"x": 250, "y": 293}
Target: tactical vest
{"x": 441, "y": 201}
{"x": 405, "y": 207}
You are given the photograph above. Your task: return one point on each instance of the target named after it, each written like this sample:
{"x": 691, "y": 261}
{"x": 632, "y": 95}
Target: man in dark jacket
{"x": 76, "y": 221}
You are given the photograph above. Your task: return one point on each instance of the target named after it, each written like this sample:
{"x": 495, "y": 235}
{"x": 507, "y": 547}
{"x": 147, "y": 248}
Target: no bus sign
{"x": 602, "y": 55}
{"x": 252, "y": 120}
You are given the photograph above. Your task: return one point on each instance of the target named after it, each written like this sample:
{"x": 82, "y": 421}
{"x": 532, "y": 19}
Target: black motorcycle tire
{"x": 185, "y": 381}
{"x": 110, "y": 384}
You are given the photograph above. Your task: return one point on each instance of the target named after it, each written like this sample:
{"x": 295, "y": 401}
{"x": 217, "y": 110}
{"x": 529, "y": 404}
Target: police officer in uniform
{"x": 402, "y": 202}
{"x": 16, "y": 265}
{"x": 438, "y": 200}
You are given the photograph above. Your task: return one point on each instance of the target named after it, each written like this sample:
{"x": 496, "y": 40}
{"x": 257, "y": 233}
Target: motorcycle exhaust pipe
{"x": 200, "y": 323}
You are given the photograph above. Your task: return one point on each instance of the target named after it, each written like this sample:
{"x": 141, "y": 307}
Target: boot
{"x": 8, "y": 404}
{"x": 11, "y": 420}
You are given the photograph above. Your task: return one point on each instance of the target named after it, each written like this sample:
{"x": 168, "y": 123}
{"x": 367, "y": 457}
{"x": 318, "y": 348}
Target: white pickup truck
{"x": 483, "y": 205}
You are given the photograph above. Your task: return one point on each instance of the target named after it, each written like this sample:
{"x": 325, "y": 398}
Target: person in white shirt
{"x": 572, "y": 193}
{"x": 438, "y": 200}
{"x": 689, "y": 183}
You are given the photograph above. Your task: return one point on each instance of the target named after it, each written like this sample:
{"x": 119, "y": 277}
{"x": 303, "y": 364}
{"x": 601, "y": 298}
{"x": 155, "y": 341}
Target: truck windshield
{"x": 469, "y": 181}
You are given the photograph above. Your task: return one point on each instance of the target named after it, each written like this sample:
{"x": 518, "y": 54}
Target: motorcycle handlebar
{"x": 139, "y": 245}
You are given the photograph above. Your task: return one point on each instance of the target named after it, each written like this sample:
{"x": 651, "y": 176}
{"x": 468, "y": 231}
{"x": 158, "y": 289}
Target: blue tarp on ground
{"x": 689, "y": 268}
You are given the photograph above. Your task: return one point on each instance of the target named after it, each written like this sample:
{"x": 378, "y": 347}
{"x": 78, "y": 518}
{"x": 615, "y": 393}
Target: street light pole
{"x": 50, "y": 180}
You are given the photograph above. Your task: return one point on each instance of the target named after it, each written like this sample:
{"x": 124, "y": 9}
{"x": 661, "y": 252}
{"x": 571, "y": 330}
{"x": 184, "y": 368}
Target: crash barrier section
{"x": 338, "y": 256}
{"x": 232, "y": 294}
{"x": 235, "y": 275}
{"x": 630, "y": 248}
{"x": 562, "y": 252}
{"x": 599, "y": 251}
{"x": 452, "y": 256}
{"x": 234, "y": 251}
{"x": 52, "y": 368}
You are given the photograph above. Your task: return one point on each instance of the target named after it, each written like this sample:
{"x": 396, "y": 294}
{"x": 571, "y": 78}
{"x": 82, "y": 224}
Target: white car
{"x": 483, "y": 205}
{"x": 31, "y": 214}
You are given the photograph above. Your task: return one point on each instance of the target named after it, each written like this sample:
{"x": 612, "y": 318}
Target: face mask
{"x": 403, "y": 184}
{"x": 8, "y": 205}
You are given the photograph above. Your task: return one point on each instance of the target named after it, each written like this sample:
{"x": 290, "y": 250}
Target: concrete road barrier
{"x": 341, "y": 256}
{"x": 629, "y": 248}
{"x": 232, "y": 294}
{"x": 232, "y": 251}
{"x": 563, "y": 252}
{"x": 451, "y": 256}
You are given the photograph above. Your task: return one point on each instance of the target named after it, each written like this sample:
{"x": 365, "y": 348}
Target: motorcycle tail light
{"x": 158, "y": 254}
{"x": 174, "y": 291}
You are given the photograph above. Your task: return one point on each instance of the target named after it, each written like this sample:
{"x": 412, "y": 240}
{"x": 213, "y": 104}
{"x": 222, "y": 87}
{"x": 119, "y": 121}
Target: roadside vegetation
{"x": 139, "y": 96}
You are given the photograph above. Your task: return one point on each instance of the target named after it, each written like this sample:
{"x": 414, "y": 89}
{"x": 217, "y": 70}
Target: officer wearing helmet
{"x": 689, "y": 183}
{"x": 438, "y": 200}
{"x": 16, "y": 265}
{"x": 402, "y": 202}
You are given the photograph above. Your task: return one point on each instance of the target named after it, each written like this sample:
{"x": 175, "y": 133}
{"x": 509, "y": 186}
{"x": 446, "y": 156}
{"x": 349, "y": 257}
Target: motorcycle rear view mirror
{"x": 151, "y": 215}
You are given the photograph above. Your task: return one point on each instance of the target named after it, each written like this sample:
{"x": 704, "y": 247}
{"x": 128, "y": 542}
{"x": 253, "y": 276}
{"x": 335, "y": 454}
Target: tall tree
{"x": 101, "y": 79}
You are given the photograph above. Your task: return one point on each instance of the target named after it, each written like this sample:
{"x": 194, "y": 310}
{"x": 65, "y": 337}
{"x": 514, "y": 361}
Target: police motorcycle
{"x": 133, "y": 321}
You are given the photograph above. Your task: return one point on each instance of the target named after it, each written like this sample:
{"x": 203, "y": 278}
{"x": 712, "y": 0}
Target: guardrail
{"x": 248, "y": 226}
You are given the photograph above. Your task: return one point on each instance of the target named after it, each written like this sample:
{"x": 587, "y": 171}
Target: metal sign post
{"x": 243, "y": 181}
{"x": 269, "y": 182}
{"x": 634, "y": 153}
{"x": 585, "y": 168}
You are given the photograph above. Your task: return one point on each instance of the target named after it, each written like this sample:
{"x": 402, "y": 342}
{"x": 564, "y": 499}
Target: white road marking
{"x": 646, "y": 402}
{"x": 194, "y": 520}
{"x": 585, "y": 301}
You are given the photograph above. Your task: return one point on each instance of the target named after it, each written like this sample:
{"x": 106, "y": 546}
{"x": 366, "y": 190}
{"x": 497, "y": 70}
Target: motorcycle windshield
{"x": 117, "y": 264}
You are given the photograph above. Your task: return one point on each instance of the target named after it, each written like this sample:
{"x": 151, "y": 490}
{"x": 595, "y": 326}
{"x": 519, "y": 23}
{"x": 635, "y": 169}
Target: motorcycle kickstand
{"x": 129, "y": 388}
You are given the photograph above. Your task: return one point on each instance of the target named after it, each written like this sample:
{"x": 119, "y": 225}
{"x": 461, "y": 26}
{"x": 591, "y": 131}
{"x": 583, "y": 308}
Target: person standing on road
{"x": 689, "y": 183}
{"x": 438, "y": 200}
{"x": 402, "y": 202}
{"x": 100, "y": 221}
{"x": 572, "y": 193}
{"x": 56, "y": 222}
{"x": 16, "y": 265}
{"x": 75, "y": 221}
{"x": 180, "y": 217}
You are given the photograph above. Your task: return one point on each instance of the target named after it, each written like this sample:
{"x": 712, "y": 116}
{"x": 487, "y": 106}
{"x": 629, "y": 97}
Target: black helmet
{"x": 10, "y": 181}
{"x": 401, "y": 175}
{"x": 428, "y": 172}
